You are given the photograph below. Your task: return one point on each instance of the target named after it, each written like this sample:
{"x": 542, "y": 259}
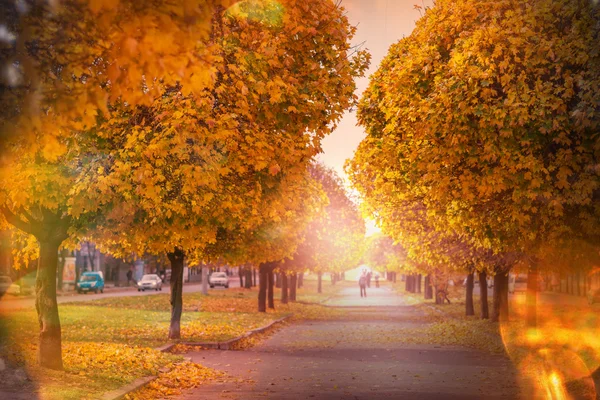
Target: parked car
{"x": 91, "y": 282}
{"x": 593, "y": 296}
{"x": 149, "y": 282}
{"x": 218, "y": 279}
{"x": 8, "y": 287}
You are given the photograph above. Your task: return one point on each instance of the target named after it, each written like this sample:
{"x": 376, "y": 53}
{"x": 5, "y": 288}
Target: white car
{"x": 7, "y": 287}
{"x": 149, "y": 282}
{"x": 218, "y": 279}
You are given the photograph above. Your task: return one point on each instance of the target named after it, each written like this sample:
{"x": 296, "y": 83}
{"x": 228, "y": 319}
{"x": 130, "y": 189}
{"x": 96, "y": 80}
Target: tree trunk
{"x": 428, "y": 288}
{"x": 500, "y": 301}
{"x": 419, "y": 277}
{"x": 469, "y": 307}
{"x": 263, "y": 272}
{"x": 394, "y": 277}
{"x": 438, "y": 299}
{"x": 278, "y": 280}
{"x": 248, "y": 282}
{"x": 270, "y": 284}
{"x": 320, "y": 282}
{"x": 293, "y": 284}
{"x": 504, "y": 298}
{"x": 176, "y": 259}
{"x": 531, "y": 298}
{"x": 343, "y": 276}
{"x": 50, "y": 346}
{"x": 300, "y": 280}
{"x": 50, "y": 232}
{"x": 241, "y": 275}
{"x": 254, "y": 277}
{"x": 204, "y": 279}
{"x": 483, "y": 296}
{"x": 284, "y": 288}
{"x": 407, "y": 284}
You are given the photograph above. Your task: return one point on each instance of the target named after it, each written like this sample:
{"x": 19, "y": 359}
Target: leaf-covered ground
{"x": 110, "y": 342}
{"x": 372, "y": 352}
{"x": 564, "y": 347}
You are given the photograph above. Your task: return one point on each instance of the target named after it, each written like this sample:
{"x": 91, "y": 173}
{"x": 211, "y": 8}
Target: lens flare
{"x": 556, "y": 358}
{"x": 556, "y": 389}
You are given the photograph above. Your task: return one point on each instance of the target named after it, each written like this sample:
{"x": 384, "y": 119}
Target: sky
{"x": 380, "y": 23}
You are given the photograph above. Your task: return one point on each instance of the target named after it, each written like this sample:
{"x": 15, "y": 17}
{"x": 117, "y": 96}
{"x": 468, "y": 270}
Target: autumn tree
{"x": 89, "y": 70}
{"x": 382, "y": 254}
{"x": 487, "y": 113}
{"x": 252, "y": 138}
{"x": 67, "y": 60}
{"x": 333, "y": 240}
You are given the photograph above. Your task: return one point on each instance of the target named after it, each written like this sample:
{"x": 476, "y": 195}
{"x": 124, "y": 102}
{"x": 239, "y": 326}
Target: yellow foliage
{"x": 185, "y": 375}
{"x": 478, "y": 147}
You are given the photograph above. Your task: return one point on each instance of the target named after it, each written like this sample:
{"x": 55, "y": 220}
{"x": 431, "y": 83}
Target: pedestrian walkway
{"x": 376, "y": 297}
{"x": 362, "y": 356}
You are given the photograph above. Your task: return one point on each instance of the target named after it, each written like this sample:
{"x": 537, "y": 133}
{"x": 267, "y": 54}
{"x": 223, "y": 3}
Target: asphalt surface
{"x": 363, "y": 356}
{"x": 9, "y": 302}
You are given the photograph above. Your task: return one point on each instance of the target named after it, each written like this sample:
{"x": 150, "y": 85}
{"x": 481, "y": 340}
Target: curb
{"x": 311, "y": 303}
{"x": 120, "y": 393}
{"x": 123, "y": 391}
{"x": 228, "y": 344}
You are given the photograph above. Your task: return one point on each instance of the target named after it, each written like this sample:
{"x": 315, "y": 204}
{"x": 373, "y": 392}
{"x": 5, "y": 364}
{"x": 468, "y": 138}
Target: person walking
{"x": 369, "y": 279}
{"x": 376, "y": 280}
{"x": 362, "y": 282}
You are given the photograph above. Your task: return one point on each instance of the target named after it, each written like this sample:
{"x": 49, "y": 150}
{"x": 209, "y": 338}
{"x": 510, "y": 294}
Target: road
{"x": 12, "y": 303}
{"x": 363, "y": 356}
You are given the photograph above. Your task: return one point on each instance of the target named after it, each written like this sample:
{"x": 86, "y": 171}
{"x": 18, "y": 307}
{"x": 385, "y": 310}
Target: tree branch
{"x": 15, "y": 220}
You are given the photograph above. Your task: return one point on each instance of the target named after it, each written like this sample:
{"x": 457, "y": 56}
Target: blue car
{"x": 91, "y": 282}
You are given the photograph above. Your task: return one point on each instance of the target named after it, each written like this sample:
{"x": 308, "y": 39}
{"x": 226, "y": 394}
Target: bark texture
{"x": 50, "y": 345}
{"x": 428, "y": 288}
{"x": 204, "y": 279}
{"x": 483, "y": 296}
{"x": 270, "y": 286}
{"x": 284, "y": 288}
{"x": 500, "y": 300}
{"x": 248, "y": 282}
{"x": 176, "y": 259}
{"x": 50, "y": 228}
{"x": 293, "y": 283}
{"x": 469, "y": 307}
{"x": 263, "y": 273}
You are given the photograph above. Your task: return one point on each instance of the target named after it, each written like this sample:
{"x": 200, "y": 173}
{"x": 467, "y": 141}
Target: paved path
{"x": 350, "y": 297}
{"x": 360, "y": 357}
{"x": 11, "y": 303}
